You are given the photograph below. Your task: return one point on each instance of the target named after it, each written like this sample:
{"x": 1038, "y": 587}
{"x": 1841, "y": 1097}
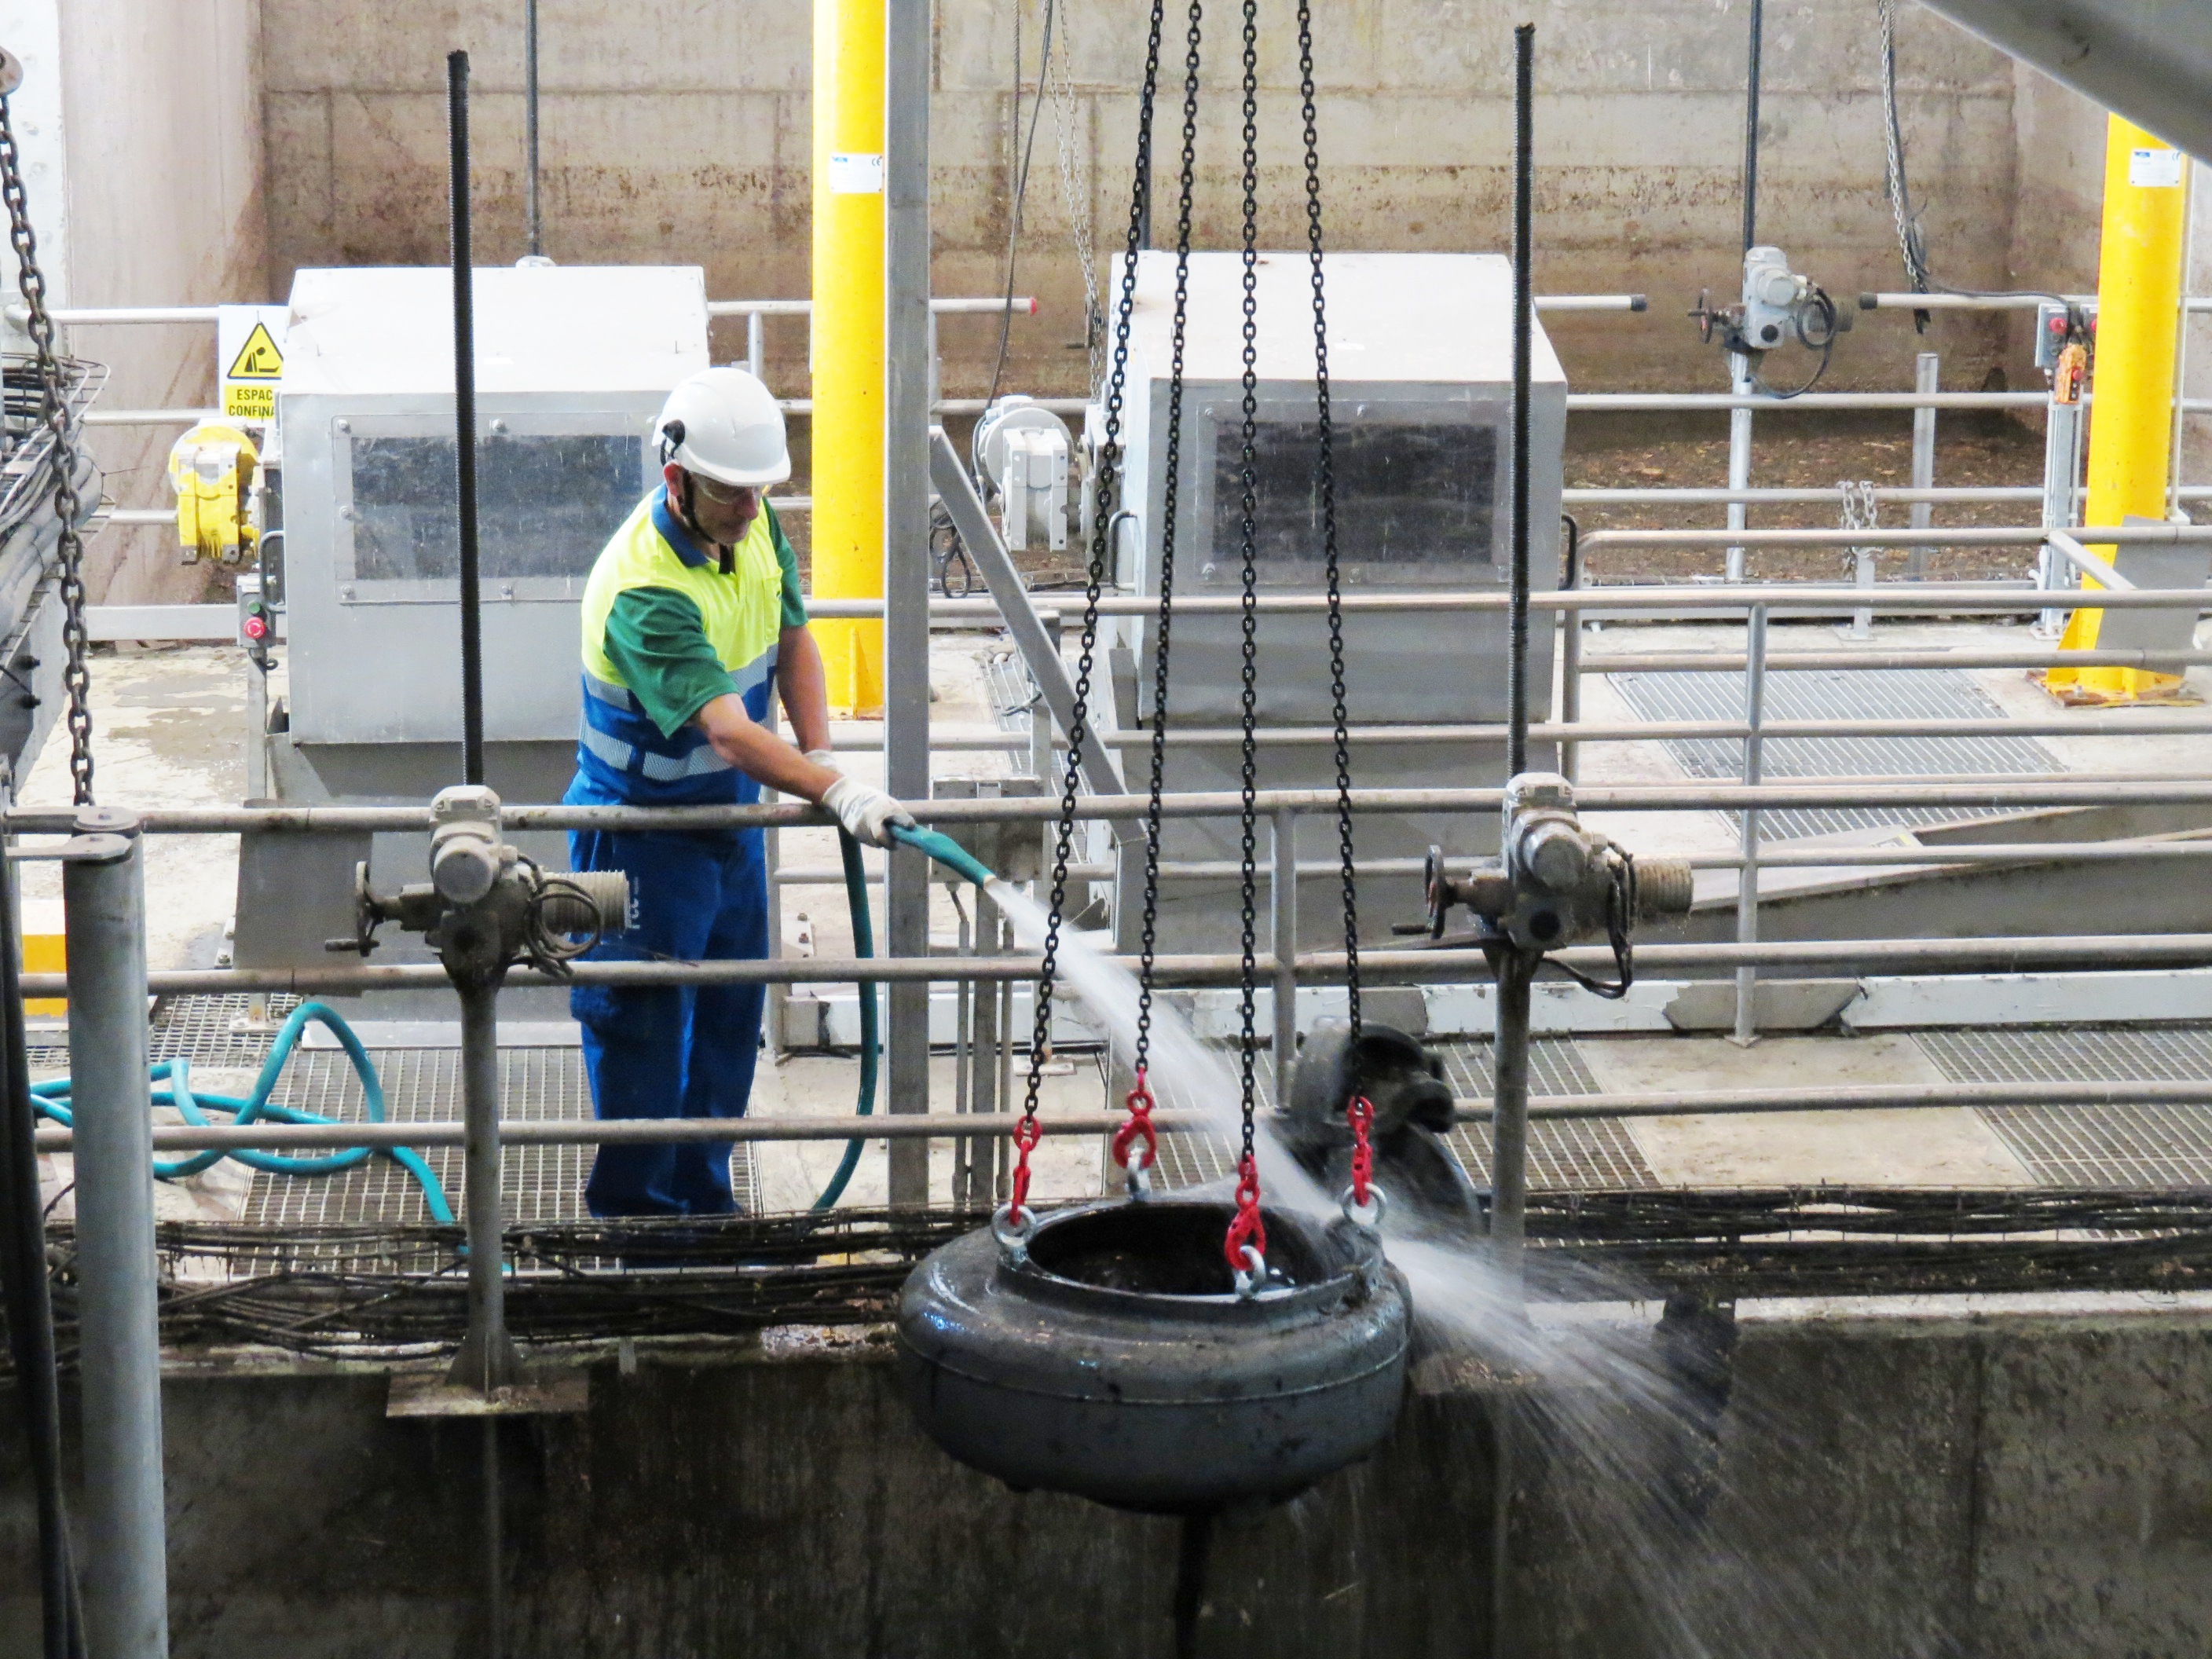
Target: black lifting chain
{"x": 1325, "y": 475}
{"x": 1107, "y": 479}
{"x": 1248, "y": 528}
{"x": 55, "y": 413}
{"x": 1187, "y": 187}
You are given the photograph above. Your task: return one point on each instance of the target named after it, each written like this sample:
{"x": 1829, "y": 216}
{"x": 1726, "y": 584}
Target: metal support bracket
{"x": 958, "y": 491}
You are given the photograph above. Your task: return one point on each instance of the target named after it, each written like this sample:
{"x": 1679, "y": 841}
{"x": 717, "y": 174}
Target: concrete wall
{"x": 678, "y": 131}
{"x": 2033, "y": 1486}
{"x": 146, "y": 189}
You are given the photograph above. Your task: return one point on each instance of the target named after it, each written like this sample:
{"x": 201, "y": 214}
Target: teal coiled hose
{"x": 51, "y": 1099}
{"x": 953, "y": 856}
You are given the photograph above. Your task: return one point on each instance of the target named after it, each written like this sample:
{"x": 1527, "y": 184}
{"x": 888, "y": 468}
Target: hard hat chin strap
{"x": 689, "y": 517}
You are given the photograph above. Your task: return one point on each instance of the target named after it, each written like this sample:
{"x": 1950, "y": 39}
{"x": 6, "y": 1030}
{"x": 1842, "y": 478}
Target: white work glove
{"x": 866, "y": 811}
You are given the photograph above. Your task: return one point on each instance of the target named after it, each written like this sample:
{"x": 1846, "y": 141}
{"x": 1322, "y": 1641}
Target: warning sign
{"x": 257, "y": 358}
{"x": 250, "y": 345}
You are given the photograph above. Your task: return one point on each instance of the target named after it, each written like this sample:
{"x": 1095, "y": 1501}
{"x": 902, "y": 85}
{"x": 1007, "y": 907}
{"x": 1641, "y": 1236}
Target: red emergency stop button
{"x": 255, "y": 629}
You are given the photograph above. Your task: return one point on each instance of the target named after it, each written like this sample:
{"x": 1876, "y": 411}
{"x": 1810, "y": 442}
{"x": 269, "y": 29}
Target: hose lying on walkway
{"x": 953, "y": 856}
{"x": 51, "y": 1099}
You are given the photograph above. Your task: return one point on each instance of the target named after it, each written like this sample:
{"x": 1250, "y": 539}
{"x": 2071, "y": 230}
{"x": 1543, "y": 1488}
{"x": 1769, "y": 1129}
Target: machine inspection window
{"x": 1415, "y": 502}
{"x": 545, "y": 504}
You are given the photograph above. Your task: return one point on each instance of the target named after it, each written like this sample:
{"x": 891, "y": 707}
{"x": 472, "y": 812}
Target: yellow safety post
{"x": 2139, "y": 278}
{"x": 848, "y": 342}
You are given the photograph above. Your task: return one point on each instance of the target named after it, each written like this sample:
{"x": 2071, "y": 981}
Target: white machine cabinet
{"x": 573, "y": 365}
{"x": 1420, "y": 364}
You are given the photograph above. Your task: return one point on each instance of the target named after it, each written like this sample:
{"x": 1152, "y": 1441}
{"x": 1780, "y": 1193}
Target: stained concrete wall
{"x": 673, "y": 130}
{"x": 2034, "y": 1487}
{"x": 145, "y": 186}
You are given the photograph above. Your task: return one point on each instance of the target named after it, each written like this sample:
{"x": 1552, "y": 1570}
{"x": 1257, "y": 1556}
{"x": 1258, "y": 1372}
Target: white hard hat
{"x": 723, "y": 424}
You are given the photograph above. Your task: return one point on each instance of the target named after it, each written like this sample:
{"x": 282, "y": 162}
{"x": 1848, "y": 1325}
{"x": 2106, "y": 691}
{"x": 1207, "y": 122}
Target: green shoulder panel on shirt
{"x": 657, "y": 641}
{"x": 794, "y": 602}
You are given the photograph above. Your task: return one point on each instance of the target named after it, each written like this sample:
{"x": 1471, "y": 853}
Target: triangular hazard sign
{"x": 257, "y": 358}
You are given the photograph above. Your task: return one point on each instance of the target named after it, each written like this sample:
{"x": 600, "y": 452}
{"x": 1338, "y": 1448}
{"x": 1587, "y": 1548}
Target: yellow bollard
{"x": 849, "y": 342}
{"x": 2139, "y": 277}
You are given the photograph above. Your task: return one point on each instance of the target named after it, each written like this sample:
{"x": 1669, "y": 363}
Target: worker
{"x": 692, "y": 616}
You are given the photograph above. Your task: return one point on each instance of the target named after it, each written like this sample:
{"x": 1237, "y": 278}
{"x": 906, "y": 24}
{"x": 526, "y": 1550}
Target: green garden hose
{"x": 51, "y": 1099}
{"x": 946, "y": 852}
{"x": 864, "y": 946}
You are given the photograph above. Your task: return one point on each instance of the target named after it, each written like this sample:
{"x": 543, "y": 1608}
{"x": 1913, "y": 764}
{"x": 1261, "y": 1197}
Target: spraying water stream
{"x": 1623, "y": 1420}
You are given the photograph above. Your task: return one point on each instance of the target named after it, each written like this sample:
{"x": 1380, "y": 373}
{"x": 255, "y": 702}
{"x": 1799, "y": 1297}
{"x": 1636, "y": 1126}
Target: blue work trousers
{"x": 672, "y": 1050}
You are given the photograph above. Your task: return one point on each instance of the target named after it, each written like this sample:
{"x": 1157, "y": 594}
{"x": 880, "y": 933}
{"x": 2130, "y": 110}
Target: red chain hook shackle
{"x": 1359, "y": 1113}
{"x": 1141, "y": 1102}
{"x": 1246, "y": 1229}
{"x": 1027, "y": 1133}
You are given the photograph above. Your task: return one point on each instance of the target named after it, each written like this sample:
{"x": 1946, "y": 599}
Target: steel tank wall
{"x": 2030, "y": 1482}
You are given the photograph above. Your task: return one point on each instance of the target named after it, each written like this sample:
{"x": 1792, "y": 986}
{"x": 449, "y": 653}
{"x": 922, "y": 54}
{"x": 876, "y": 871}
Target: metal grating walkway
{"x": 1579, "y": 1156}
{"x": 1823, "y": 694}
{"x": 1575, "y": 1155}
{"x": 2091, "y": 1147}
{"x": 538, "y": 1184}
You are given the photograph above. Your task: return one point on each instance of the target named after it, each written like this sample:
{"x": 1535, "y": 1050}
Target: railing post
{"x": 1747, "y": 892}
{"x": 757, "y": 345}
{"x": 1283, "y": 895}
{"x": 2062, "y": 470}
{"x": 1740, "y": 383}
{"x": 125, "y": 1555}
{"x": 1926, "y": 373}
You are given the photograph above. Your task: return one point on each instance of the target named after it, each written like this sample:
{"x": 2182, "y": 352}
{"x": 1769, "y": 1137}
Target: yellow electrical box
{"x": 211, "y": 469}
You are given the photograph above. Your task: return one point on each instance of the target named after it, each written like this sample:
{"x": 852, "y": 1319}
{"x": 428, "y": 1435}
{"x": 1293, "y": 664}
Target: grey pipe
{"x": 487, "y": 1359}
{"x": 1885, "y": 957}
{"x": 1746, "y": 891}
{"x": 1283, "y": 908}
{"x": 534, "y": 224}
{"x": 126, "y": 1559}
{"x": 588, "y": 1132}
{"x": 2080, "y": 789}
{"x": 1509, "y": 1148}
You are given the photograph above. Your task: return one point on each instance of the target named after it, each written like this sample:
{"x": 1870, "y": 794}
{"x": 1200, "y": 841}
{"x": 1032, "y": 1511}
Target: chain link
{"x": 54, "y": 411}
{"x": 1862, "y": 511}
{"x": 1108, "y": 479}
{"x": 1249, "y": 529}
{"x": 1057, "y": 77}
{"x": 1186, "y": 189}
{"x": 1325, "y": 475}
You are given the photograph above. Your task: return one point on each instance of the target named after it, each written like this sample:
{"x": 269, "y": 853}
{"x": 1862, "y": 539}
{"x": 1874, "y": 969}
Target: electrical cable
{"x": 1020, "y": 183}
{"x": 1912, "y": 241}
{"x": 51, "y": 1100}
{"x": 1826, "y": 345}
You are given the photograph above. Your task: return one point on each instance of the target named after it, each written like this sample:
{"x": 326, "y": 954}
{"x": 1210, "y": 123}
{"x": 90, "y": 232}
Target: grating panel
{"x": 1569, "y": 1156}
{"x": 207, "y": 1030}
{"x": 1575, "y": 1155}
{"x": 538, "y": 1184}
{"x": 1194, "y": 1159}
{"x": 2130, "y": 1146}
{"x": 1010, "y": 691}
{"x": 1835, "y": 695}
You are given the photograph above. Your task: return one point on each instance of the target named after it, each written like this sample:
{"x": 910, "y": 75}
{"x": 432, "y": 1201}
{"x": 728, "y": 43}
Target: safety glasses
{"x": 723, "y": 494}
